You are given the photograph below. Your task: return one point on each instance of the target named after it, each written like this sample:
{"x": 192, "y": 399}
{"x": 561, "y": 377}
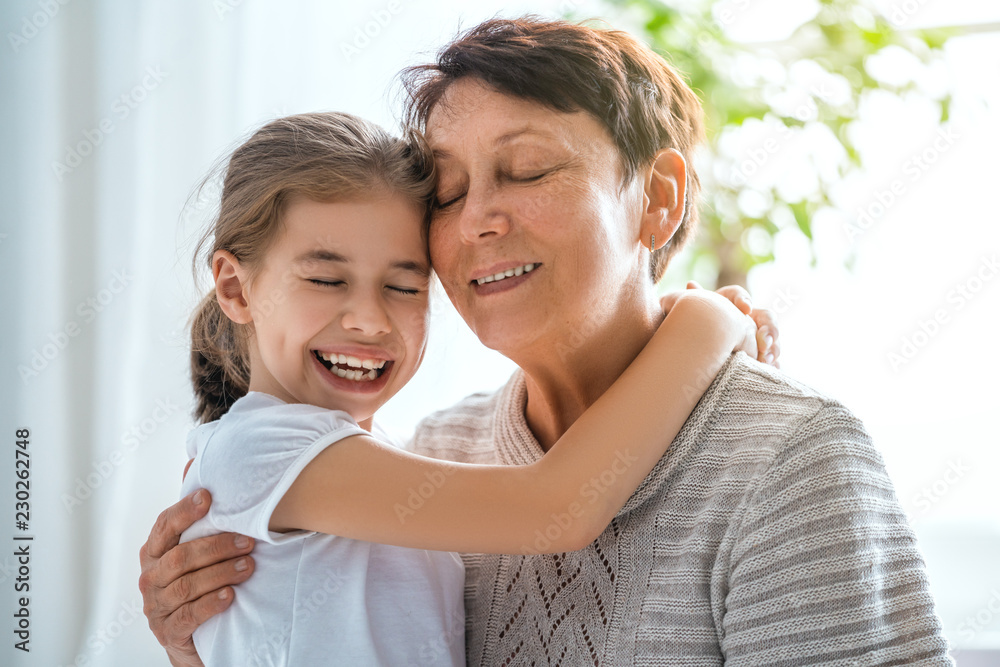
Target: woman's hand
{"x": 183, "y": 585}
{"x": 768, "y": 349}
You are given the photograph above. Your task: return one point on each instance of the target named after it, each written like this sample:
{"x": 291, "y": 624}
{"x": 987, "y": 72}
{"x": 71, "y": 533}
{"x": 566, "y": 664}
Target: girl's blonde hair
{"x": 322, "y": 156}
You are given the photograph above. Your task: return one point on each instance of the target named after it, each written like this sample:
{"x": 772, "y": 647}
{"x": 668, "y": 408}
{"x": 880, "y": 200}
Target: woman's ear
{"x": 664, "y": 192}
{"x": 230, "y": 286}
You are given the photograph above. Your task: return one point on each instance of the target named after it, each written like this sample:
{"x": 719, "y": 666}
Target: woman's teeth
{"x": 357, "y": 369}
{"x": 509, "y": 273}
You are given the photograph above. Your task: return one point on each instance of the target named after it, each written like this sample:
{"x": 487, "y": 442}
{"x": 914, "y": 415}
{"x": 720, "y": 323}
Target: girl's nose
{"x": 367, "y": 316}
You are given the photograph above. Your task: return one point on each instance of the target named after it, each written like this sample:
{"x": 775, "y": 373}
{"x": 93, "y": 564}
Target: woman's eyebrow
{"x": 520, "y": 132}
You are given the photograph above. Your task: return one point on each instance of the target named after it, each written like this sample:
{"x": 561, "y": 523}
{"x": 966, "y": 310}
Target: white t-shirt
{"x": 314, "y": 599}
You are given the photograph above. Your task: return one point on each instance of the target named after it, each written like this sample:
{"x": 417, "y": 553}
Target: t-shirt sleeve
{"x": 249, "y": 470}
{"x": 825, "y": 568}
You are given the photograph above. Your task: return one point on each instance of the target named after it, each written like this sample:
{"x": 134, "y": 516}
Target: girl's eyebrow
{"x": 419, "y": 268}
{"x": 320, "y": 255}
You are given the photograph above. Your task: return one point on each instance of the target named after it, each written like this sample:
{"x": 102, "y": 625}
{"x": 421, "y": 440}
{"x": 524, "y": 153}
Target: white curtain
{"x": 111, "y": 113}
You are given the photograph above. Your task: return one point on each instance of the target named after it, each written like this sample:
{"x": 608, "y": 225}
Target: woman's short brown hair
{"x": 639, "y": 98}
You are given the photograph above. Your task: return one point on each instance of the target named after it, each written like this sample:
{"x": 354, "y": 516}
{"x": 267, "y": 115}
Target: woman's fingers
{"x": 183, "y": 585}
{"x": 173, "y": 521}
{"x": 174, "y": 629}
{"x": 193, "y": 558}
{"x": 174, "y": 611}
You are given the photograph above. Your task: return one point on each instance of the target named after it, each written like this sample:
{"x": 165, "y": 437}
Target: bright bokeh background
{"x": 224, "y": 67}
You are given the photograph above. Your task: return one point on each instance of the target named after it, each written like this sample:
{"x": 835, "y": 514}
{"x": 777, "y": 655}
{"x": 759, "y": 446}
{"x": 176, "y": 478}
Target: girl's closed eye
{"x": 411, "y": 291}
{"x": 337, "y": 283}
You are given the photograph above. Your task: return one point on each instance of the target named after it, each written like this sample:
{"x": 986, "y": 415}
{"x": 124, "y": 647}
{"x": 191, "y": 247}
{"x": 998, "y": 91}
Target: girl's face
{"x": 339, "y": 308}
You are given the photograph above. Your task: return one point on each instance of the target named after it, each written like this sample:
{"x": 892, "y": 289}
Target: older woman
{"x": 768, "y": 534}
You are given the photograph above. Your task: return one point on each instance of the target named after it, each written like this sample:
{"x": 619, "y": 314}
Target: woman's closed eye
{"x": 444, "y": 202}
{"x": 528, "y": 177}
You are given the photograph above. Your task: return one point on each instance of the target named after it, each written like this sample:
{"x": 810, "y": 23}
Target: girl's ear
{"x": 230, "y": 286}
{"x": 664, "y": 194}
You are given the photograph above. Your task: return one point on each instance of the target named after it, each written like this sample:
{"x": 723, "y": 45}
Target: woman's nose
{"x": 483, "y": 216}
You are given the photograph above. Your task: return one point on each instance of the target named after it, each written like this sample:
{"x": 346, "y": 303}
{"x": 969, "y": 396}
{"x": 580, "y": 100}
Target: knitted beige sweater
{"x": 769, "y": 534}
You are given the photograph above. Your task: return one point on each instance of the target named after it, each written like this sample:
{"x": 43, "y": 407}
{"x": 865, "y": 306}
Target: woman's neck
{"x": 566, "y": 378}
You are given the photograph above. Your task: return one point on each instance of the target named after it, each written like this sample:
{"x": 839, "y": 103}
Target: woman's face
{"x": 534, "y": 192}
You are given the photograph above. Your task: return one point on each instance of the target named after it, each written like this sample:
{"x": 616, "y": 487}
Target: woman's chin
{"x": 509, "y": 336}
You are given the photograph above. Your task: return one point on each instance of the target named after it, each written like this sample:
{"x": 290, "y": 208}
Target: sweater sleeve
{"x": 825, "y": 569}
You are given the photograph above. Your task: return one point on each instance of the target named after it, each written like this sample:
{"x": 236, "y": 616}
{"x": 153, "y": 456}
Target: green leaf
{"x": 688, "y": 35}
{"x": 800, "y": 210}
{"x": 945, "y": 109}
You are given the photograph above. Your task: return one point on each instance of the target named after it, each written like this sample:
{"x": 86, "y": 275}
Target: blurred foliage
{"x": 818, "y": 77}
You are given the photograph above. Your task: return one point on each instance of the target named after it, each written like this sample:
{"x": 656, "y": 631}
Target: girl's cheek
{"x": 415, "y": 323}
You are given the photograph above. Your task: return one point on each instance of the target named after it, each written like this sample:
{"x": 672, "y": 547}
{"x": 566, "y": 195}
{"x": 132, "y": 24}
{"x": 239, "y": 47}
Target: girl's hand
{"x": 768, "y": 349}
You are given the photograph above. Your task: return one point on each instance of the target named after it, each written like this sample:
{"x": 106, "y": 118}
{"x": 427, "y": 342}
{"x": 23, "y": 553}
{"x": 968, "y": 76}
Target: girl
{"x": 317, "y": 318}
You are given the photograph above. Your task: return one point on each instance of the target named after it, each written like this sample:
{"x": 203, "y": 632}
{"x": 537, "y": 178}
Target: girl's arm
{"x": 360, "y": 488}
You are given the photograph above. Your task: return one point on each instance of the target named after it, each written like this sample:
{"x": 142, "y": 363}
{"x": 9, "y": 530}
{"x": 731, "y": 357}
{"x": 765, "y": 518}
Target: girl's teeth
{"x": 354, "y": 362}
{"x": 360, "y": 369}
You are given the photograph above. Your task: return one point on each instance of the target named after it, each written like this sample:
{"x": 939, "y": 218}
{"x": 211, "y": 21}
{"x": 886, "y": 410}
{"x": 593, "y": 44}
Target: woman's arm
{"x": 364, "y": 490}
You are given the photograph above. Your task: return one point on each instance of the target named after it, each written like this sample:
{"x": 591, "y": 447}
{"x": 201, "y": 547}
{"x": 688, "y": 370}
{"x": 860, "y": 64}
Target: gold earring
{"x": 652, "y": 243}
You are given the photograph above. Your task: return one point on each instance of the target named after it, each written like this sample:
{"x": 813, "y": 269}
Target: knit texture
{"x": 768, "y": 534}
